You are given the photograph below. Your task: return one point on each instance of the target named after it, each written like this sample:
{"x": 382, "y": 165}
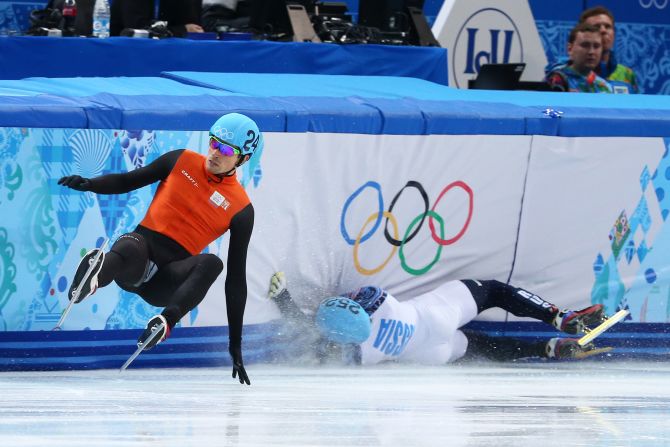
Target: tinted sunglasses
{"x": 227, "y": 150}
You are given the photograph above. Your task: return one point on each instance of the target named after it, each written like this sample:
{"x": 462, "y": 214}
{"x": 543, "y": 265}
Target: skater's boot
{"x": 87, "y": 284}
{"x": 569, "y": 348}
{"x": 156, "y": 324}
{"x": 578, "y": 321}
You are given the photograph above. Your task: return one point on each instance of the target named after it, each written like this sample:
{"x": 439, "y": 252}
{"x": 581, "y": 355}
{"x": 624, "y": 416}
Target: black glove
{"x": 76, "y": 182}
{"x": 238, "y": 366}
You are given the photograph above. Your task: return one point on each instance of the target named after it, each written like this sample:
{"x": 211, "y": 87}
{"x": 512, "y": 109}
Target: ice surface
{"x": 516, "y": 405}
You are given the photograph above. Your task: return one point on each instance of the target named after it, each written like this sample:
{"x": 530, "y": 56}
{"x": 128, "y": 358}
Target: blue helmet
{"x": 343, "y": 320}
{"x": 240, "y": 131}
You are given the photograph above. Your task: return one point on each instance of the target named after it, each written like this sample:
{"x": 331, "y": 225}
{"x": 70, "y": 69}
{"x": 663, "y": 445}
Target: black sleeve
{"x": 290, "y": 310}
{"x": 241, "y": 227}
{"x": 158, "y": 170}
{"x": 300, "y": 336}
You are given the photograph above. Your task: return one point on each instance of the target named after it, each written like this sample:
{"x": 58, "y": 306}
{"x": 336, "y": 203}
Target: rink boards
{"x": 208, "y": 346}
{"x": 569, "y": 205}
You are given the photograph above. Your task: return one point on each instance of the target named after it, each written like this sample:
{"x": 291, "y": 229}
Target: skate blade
{"x": 77, "y": 291}
{"x": 602, "y": 327}
{"x": 154, "y": 332}
{"x": 585, "y": 354}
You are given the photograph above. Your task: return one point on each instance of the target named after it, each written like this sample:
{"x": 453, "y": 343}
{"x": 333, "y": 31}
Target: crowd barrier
{"x": 25, "y": 56}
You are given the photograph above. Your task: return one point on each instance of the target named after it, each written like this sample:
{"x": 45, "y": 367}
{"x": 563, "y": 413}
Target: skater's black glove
{"x": 76, "y": 182}
{"x": 238, "y": 366}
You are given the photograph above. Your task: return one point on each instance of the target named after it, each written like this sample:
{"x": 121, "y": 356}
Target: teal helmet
{"x": 343, "y": 320}
{"x": 240, "y": 131}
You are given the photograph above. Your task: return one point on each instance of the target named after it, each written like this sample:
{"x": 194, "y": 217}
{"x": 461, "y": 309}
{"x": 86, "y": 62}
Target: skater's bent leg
{"x": 518, "y": 301}
{"x": 181, "y": 285}
{"x": 126, "y": 261}
{"x": 446, "y": 308}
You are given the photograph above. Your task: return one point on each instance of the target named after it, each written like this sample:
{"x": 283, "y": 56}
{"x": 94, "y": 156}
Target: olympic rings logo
{"x": 398, "y": 245}
{"x": 660, "y": 4}
{"x": 223, "y": 133}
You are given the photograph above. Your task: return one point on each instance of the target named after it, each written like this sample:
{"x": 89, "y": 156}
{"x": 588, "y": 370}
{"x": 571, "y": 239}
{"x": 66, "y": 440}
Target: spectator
{"x": 182, "y": 16}
{"x": 578, "y": 75}
{"x": 622, "y": 78}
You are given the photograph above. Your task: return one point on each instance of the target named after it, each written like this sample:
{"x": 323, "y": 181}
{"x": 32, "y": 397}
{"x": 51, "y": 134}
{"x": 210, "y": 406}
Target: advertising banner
{"x": 478, "y": 32}
{"x": 336, "y": 212}
{"x": 576, "y": 220}
{"x": 594, "y": 224}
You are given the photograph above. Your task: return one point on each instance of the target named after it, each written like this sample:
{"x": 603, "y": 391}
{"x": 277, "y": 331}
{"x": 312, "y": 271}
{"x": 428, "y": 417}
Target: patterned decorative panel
{"x": 42, "y": 241}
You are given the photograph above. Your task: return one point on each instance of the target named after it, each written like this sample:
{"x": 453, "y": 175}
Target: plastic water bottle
{"x": 101, "y": 19}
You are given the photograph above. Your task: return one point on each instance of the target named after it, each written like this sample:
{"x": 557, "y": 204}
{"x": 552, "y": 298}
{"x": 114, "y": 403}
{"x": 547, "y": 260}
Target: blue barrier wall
{"x": 322, "y": 103}
{"x": 190, "y": 101}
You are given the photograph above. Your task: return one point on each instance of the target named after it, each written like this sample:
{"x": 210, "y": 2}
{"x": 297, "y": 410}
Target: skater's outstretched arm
{"x": 157, "y": 170}
{"x": 300, "y": 332}
{"x": 280, "y": 295}
{"x": 236, "y": 285}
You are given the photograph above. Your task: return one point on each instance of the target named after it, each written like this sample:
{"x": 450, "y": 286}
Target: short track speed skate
{"x": 608, "y": 322}
{"x": 81, "y": 288}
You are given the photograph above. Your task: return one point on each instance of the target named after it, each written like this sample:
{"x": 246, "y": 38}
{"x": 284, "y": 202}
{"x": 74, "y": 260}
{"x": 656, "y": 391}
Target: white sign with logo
{"x": 478, "y": 32}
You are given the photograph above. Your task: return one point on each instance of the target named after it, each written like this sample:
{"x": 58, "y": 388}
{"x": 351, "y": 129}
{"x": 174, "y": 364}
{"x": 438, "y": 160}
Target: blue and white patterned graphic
{"x": 631, "y": 276}
{"x": 51, "y": 227}
{"x": 643, "y": 47}
{"x": 15, "y": 15}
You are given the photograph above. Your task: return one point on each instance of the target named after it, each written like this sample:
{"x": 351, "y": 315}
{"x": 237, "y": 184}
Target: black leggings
{"x": 180, "y": 281}
{"x": 518, "y": 301}
{"x": 482, "y": 346}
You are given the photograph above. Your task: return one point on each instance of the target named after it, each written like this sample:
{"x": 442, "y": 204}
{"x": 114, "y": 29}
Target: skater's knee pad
{"x": 133, "y": 249}
{"x": 205, "y": 266}
{"x": 131, "y": 245}
{"x": 211, "y": 264}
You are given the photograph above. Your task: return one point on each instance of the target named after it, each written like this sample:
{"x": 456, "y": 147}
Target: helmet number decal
{"x": 343, "y": 303}
{"x": 252, "y": 142}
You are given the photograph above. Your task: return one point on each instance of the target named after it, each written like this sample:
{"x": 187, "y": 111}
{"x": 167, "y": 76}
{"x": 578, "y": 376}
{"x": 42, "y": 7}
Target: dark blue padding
{"x": 323, "y": 103}
{"x": 641, "y": 341}
{"x": 402, "y": 106}
{"x": 208, "y": 346}
{"x": 45, "y": 111}
{"x": 119, "y": 86}
{"x": 403, "y": 103}
{"x": 401, "y": 116}
{"x": 165, "y": 112}
{"x": 90, "y": 349}
{"x": 556, "y": 100}
{"x": 23, "y": 57}
{"x": 331, "y": 115}
{"x": 312, "y": 85}
{"x": 473, "y": 118}
{"x": 128, "y": 103}
{"x": 587, "y": 121}
{"x": 352, "y": 104}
